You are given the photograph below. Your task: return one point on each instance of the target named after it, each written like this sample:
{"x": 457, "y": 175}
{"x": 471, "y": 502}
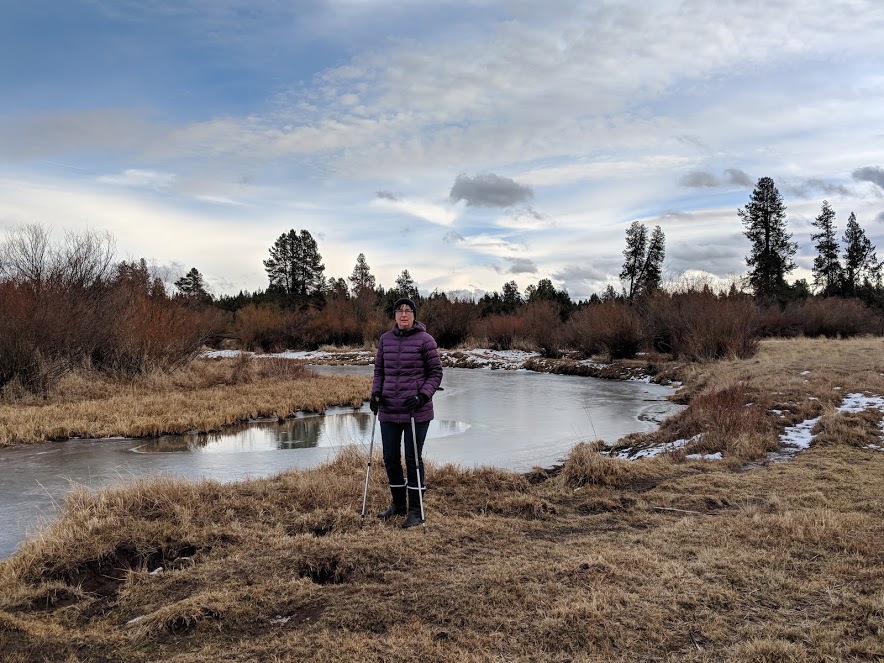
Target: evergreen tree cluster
{"x": 846, "y": 268}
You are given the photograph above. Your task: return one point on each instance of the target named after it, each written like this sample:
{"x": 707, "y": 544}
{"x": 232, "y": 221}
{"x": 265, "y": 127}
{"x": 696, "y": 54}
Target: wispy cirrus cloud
{"x": 134, "y": 177}
{"x": 443, "y": 215}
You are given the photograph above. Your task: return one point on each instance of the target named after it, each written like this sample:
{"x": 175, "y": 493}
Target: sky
{"x": 471, "y": 142}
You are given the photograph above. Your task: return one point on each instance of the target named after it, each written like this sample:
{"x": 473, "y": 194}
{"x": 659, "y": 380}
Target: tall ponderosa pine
{"x": 361, "y": 278}
{"x": 643, "y": 267}
{"x": 770, "y": 259}
{"x": 827, "y": 270}
{"x": 295, "y": 265}
{"x": 861, "y": 265}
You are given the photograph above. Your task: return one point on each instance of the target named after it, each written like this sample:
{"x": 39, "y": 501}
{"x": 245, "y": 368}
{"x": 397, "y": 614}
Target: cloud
{"x": 218, "y": 200}
{"x": 737, "y": 176}
{"x": 134, "y": 177}
{"x": 64, "y": 132}
{"x": 525, "y": 218}
{"x": 581, "y": 273}
{"x": 386, "y": 195}
{"x": 873, "y": 174}
{"x": 521, "y": 266}
{"x": 489, "y": 190}
{"x": 809, "y": 187}
{"x": 441, "y": 215}
{"x": 716, "y": 257}
{"x": 452, "y": 237}
{"x": 699, "y": 178}
{"x": 880, "y": 217}
{"x": 495, "y": 246}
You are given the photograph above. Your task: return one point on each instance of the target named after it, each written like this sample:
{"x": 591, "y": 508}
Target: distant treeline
{"x": 70, "y": 306}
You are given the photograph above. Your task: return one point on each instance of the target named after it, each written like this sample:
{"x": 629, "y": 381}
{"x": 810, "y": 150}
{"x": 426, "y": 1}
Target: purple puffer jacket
{"x": 407, "y": 363}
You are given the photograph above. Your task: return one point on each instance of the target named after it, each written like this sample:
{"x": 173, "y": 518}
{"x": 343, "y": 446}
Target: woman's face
{"x": 404, "y": 317}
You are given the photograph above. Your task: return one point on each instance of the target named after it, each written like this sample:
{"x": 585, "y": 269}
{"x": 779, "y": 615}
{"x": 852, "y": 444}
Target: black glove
{"x": 413, "y": 403}
{"x": 375, "y": 402}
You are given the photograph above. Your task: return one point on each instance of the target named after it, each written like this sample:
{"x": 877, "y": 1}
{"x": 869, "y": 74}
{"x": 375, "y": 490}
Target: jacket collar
{"x": 416, "y": 327}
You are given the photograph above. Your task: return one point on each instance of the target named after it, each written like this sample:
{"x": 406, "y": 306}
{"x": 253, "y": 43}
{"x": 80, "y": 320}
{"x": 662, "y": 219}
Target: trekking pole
{"x": 374, "y": 422}
{"x": 417, "y": 472}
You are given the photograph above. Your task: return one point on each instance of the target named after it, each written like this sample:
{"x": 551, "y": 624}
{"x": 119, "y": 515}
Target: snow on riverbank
{"x": 800, "y": 436}
{"x": 479, "y": 358}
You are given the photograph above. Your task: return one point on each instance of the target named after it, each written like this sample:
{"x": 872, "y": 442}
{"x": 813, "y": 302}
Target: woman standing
{"x": 407, "y": 372}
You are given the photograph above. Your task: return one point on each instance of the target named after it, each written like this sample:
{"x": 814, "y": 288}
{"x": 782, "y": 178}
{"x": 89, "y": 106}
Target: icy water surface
{"x": 508, "y": 419}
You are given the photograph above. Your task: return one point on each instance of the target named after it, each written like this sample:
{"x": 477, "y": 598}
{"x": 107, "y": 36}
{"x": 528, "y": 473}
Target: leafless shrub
{"x": 448, "y": 321}
{"x": 702, "y": 326}
{"x": 834, "y": 317}
{"x": 335, "y": 324}
{"x": 67, "y": 306}
{"x": 263, "y": 327}
{"x": 611, "y": 327}
{"x": 541, "y": 323}
{"x": 500, "y": 331}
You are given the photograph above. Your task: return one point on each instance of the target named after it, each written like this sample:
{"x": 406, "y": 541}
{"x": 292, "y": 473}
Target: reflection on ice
{"x": 301, "y": 433}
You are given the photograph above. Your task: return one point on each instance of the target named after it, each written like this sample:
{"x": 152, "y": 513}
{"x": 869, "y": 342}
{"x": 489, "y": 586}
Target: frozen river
{"x": 513, "y": 420}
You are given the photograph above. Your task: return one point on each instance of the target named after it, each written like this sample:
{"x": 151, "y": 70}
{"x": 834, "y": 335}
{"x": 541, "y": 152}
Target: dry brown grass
{"x": 660, "y": 560}
{"x": 204, "y": 396}
{"x": 741, "y": 407}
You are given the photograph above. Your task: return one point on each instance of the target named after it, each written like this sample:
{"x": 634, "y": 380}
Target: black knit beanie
{"x": 403, "y": 301}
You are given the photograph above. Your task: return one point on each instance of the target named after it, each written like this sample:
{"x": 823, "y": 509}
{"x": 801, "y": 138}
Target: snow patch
{"x": 715, "y": 456}
{"x": 799, "y": 437}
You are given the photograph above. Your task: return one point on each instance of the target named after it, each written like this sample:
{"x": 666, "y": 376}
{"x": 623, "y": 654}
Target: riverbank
{"x": 664, "y": 558}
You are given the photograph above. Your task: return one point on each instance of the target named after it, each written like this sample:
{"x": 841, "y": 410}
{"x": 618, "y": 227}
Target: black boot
{"x": 397, "y": 506}
{"x": 414, "y": 509}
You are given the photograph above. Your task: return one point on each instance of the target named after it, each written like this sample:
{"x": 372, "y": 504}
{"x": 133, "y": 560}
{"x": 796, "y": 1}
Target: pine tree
{"x": 510, "y": 298}
{"x": 861, "y": 265}
{"x": 643, "y": 265}
{"x": 336, "y": 288}
{"x": 545, "y": 291}
{"x": 654, "y": 261}
{"x": 295, "y": 266}
{"x": 405, "y": 285}
{"x": 770, "y": 259}
{"x": 361, "y": 278}
{"x": 827, "y": 270}
{"x": 192, "y": 285}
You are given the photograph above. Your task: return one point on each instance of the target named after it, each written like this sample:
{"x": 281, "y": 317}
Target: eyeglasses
{"x": 404, "y": 311}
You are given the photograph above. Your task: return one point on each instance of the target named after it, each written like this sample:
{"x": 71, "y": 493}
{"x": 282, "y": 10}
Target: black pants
{"x": 391, "y": 436}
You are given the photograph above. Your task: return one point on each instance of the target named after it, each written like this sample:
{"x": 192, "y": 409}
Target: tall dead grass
{"x": 202, "y": 396}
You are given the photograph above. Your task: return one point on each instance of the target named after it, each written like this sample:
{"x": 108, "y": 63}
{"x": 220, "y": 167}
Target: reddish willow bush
{"x": 55, "y": 328}
{"x": 611, "y": 327}
{"x": 499, "y": 332}
{"x": 154, "y": 333}
{"x": 448, "y": 321}
{"x": 268, "y": 328}
{"x": 702, "y": 326}
{"x": 834, "y": 317}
